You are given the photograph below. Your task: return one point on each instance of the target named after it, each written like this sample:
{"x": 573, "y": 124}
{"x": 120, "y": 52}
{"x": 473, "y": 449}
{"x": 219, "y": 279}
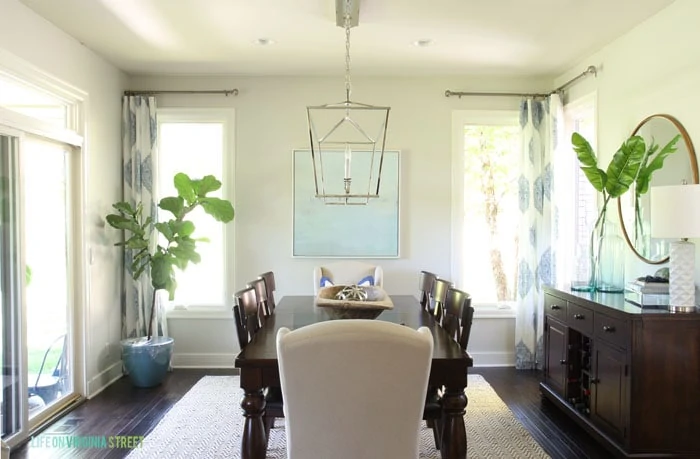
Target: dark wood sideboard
{"x": 629, "y": 376}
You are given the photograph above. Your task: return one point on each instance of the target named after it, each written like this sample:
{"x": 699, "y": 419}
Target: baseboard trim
{"x": 104, "y": 379}
{"x": 203, "y": 360}
{"x": 493, "y": 359}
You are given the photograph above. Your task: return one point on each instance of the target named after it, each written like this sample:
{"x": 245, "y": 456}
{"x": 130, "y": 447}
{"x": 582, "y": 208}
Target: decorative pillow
{"x": 326, "y": 282}
{"x": 366, "y": 281}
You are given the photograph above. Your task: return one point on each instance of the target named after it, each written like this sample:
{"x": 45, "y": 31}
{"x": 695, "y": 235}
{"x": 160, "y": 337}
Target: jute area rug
{"x": 207, "y": 423}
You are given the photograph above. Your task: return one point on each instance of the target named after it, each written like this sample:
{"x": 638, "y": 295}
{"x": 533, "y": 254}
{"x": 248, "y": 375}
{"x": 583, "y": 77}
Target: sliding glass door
{"x": 48, "y": 291}
{"x": 37, "y": 287}
{"x": 10, "y": 288}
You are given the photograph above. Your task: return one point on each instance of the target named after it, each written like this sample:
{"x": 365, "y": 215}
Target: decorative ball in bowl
{"x": 347, "y": 302}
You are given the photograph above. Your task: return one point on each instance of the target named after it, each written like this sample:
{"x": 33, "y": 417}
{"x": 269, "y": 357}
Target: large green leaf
{"x": 185, "y": 187}
{"x": 124, "y": 207}
{"x": 206, "y": 185}
{"x": 622, "y": 170}
{"x": 186, "y": 249}
{"x": 654, "y": 163}
{"x": 184, "y": 228}
{"x": 136, "y": 243}
{"x": 160, "y": 271}
{"x": 175, "y": 205}
{"x": 124, "y": 223}
{"x": 171, "y": 286}
{"x": 220, "y": 209}
{"x": 588, "y": 162}
{"x": 165, "y": 228}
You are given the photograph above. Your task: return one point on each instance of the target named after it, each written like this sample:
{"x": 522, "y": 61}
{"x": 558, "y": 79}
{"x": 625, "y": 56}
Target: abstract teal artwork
{"x": 340, "y": 231}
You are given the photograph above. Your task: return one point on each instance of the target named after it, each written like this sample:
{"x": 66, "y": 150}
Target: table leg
{"x": 254, "y": 441}
{"x": 454, "y": 435}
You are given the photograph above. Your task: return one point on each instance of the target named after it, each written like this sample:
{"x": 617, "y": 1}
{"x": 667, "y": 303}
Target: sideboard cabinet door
{"x": 609, "y": 393}
{"x": 555, "y": 339}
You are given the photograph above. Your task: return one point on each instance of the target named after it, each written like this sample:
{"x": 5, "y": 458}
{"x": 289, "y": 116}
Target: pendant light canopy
{"x": 347, "y": 138}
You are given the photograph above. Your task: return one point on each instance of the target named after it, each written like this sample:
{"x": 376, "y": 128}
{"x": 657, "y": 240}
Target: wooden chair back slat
{"x": 270, "y": 287}
{"x": 245, "y": 311}
{"x": 426, "y": 281}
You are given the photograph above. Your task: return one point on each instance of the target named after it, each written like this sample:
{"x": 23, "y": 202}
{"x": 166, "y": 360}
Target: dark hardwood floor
{"x": 124, "y": 410}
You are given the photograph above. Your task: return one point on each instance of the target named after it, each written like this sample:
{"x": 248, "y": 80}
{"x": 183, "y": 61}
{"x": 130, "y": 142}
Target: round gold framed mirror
{"x": 679, "y": 167}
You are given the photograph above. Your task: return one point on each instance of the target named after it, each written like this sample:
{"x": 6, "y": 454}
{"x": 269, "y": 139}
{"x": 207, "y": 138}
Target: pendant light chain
{"x": 347, "y": 51}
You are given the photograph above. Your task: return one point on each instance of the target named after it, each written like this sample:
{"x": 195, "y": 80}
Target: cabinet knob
{"x": 555, "y": 307}
{"x": 595, "y": 381}
{"x": 563, "y": 362}
{"x": 579, "y": 316}
{"x": 608, "y": 328}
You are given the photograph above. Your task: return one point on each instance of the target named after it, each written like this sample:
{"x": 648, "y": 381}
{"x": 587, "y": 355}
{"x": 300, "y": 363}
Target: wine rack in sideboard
{"x": 630, "y": 377}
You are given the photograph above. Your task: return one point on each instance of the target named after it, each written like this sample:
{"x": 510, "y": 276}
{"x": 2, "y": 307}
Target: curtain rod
{"x": 226, "y": 92}
{"x": 591, "y": 70}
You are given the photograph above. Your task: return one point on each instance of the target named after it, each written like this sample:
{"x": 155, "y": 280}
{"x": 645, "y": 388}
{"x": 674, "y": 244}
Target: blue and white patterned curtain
{"x": 140, "y": 145}
{"x": 541, "y": 124}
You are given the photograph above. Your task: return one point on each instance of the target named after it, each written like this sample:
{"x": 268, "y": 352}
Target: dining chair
{"x": 261, "y": 297}
{"x": 456, "y": 320}
{"x": 332, "y": 406}
{"x": 425, "y": 287}
{"x": 269, "y": 278}
{"x": 458, "y": 316}
{"x": 246, "y": 312}
{"x": 437, "y": 299}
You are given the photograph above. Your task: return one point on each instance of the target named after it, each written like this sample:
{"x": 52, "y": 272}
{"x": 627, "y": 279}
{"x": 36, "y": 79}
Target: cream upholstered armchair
{"x": 347, "y": 273}
{"x": 346, "y": 417}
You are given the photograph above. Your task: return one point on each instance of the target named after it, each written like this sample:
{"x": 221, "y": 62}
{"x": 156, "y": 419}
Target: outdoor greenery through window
{"x": 491, "y": 215}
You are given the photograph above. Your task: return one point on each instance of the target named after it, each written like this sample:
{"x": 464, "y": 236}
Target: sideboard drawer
{"x": 555, "y": 307}
{"x": 613, "y": 330}
{"x": 580, "y": 318}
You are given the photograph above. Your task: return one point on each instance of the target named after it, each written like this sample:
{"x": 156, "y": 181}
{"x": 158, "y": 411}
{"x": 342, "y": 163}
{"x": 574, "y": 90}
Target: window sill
{"x": 199, "y": 313}
{"x": 493, "y": 311}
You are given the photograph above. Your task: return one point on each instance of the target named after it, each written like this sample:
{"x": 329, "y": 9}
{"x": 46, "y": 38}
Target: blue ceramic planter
{"x": 147, "y": 361}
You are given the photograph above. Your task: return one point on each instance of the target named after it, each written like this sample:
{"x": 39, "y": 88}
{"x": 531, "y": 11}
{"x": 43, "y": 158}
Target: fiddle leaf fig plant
{"x": 176, "y": 246}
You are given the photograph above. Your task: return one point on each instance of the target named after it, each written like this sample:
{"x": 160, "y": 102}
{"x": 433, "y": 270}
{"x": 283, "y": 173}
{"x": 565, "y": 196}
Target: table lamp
{"x": 675, "y": 213}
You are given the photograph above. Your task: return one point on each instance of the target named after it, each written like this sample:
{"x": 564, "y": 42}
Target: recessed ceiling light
{"x": 264, "y": 42}
{"x": 423, "y": 42}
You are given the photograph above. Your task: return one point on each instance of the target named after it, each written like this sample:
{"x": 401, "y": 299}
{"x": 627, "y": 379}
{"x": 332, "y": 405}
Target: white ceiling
{"x": 487, "y": 37}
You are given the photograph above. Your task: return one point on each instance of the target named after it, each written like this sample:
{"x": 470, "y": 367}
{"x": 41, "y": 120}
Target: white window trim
{"x": 227, "y": 117}
{"x": 459, "y": 119}
{"x": 578, "y": 108}
{"x": 77, "y": 101}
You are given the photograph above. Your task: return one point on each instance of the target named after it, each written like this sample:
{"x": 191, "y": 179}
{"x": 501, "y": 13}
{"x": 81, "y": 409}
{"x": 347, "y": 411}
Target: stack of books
{"x": 646, "y": 293}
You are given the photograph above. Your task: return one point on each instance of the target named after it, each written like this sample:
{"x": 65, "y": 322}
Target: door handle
{"x": 563, "y": 362}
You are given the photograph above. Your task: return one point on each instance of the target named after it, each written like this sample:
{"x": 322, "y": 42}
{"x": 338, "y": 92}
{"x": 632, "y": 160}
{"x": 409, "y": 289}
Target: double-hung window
{"x": 200, "y": 142}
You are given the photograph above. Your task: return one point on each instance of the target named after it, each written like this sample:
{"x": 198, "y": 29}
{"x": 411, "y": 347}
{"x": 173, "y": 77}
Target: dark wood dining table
{"x": 259, "y": 369}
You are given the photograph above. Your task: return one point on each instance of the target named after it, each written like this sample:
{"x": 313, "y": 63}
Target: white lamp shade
{"x": 675, "y": 211}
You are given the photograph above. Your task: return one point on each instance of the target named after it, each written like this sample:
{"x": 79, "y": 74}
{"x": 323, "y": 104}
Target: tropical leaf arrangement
{"x": 633, "y": 163}
{"x": 620, "y": 174}
{"x": 653, "y": 161}
{"x": 176, "y": 246}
